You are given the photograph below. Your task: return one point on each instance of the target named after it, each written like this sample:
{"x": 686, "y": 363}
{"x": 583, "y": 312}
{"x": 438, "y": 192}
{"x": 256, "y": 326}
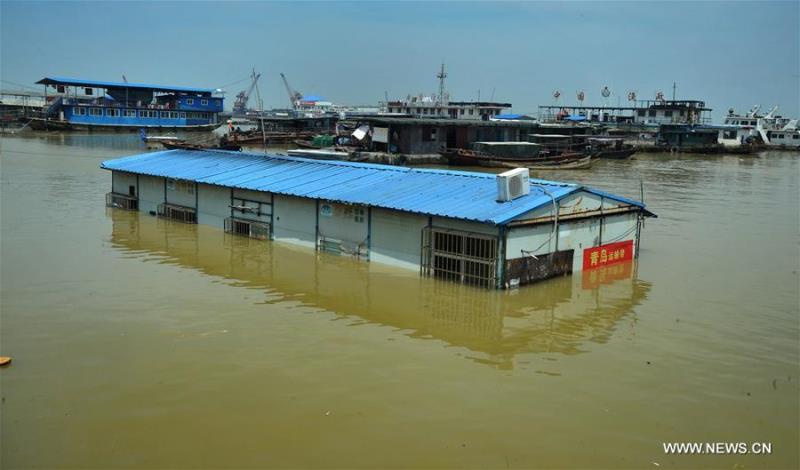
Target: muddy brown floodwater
{"x": 138, "y": 342}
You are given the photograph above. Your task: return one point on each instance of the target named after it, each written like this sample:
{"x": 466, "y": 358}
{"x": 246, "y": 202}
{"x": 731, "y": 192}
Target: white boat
{"x": 771, "y": 130}
{"x": 319, "y": 154}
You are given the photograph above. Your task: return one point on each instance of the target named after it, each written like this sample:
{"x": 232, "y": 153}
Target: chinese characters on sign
{"x": 607, "y": 254}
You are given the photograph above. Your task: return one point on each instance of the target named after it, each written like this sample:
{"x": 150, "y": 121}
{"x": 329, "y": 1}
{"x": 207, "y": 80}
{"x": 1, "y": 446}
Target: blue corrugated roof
{"x": 101, "y": 84}
{"x": 445, "y": 193}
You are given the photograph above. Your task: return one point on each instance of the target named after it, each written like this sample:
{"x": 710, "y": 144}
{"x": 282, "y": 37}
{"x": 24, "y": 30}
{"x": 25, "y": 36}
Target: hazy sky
{"x": 730, "y": 54}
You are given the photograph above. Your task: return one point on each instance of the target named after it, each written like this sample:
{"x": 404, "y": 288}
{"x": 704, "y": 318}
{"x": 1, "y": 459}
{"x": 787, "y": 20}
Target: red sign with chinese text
{"x": 604, "y": 255}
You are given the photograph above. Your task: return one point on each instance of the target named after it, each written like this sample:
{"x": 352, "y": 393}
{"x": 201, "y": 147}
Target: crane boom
{"x": 294, "y": 96}
{"x": 240, "y": 105}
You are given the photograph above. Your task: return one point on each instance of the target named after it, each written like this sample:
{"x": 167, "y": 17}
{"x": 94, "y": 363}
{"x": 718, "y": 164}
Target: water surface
{"x": 140, "y": 342}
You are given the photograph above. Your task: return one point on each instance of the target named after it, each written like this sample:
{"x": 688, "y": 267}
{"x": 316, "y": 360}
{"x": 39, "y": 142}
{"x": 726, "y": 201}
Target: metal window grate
{"x": 122, "y": 201}
{"x": 465, "y": 257}
{"x": 180, "y": 213}
{"x": 247, "y": 228}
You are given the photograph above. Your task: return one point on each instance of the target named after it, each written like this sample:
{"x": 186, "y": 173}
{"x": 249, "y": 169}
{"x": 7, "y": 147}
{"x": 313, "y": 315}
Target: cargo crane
{"x": 240, "y": 105}
{"x": 294, "y": 96}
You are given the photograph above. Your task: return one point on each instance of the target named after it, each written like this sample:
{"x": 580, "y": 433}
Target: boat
{"x": 769, "y": 130}
{"x": 305, "y": 144}
{"x": 78, "y": 104}
{"x": 183, "y": 145}
{"x": 320, "y": 141}
{"x": 574, "y": 164}
{"x": 611, "y": 148}
{"x": 319, "y": 154}
{"x": 566, "y": 160}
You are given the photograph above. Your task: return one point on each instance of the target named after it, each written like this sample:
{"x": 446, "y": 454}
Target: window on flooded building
{"x": 796, "y": 136}
{"x": 95, "y": 112}
{"x": 640, "y": 112}
{"x": 189, "y": 101}
{"x": 130, "y": 113}
{"x": 465, "y": 257}
{"x": 652, "y": 113}
{"x": 112, "y": 112}
{"x": 78, "y": 111}
{"x": 203, "y": 102}
{"x": 180, "y": 186}
{"x": 359, "y": 215}
{"x": 667, "y": 113}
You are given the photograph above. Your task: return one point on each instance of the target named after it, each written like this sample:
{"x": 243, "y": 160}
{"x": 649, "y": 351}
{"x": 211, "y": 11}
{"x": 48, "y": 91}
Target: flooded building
{"x": 494, "y": 231}
{"x": 417, "y": 136}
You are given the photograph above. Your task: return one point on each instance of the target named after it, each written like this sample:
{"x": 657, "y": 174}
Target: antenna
{"x": 674, "y": 86}
{"x": 441, "y": 76}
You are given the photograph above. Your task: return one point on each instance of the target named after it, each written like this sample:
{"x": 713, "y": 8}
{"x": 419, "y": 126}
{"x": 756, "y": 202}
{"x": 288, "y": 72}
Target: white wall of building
{"x": 578, "y": 235}
{"x": 345, "y": 224}
{"x": 397, "y": 238}
{"x": 573, "y": 234}
{"x": 181, "y": 193}
{"x": 122, "y": 181}
{"x": 533, "y": 239}
{"x": 151, "y": 192}
{"x": 212, "y": 205}
{"x": 246, "y": 197}
{"x": 295, "y": 220}
{"x": 619, "y": 227}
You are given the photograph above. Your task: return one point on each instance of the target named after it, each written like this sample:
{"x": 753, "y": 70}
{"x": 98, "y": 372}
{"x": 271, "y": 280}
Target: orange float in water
{"x": 4, "y": 360}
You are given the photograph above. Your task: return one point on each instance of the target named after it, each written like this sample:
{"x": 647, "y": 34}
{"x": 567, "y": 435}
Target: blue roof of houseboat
{"x": 100, "y": 84}
{"x": 444, "y": 193}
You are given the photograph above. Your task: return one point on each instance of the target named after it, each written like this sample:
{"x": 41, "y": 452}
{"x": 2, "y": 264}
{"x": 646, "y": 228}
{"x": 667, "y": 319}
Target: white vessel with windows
{"x": 770, "y": 129}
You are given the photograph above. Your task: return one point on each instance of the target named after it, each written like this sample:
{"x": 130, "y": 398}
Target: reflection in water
{"x": 556, "y": 316}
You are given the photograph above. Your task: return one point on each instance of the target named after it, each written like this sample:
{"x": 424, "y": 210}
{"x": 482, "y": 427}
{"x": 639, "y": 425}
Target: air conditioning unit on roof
{"x": 513, "y": 184}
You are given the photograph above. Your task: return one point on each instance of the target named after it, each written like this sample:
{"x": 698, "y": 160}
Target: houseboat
{"x": 688, "y": 138}
{"x": 638, "y": 113}
{"x": 77, "y": 104}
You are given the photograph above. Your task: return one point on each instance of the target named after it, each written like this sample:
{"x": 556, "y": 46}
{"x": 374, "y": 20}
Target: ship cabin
{"x": 79, "y": 103}
{"x": 637, "y": 113}
{"x": 430, "y": 106}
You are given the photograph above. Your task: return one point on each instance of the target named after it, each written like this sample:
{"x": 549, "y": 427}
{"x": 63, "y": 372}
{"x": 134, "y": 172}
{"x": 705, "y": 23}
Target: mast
{"x": 441, "y": 76}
